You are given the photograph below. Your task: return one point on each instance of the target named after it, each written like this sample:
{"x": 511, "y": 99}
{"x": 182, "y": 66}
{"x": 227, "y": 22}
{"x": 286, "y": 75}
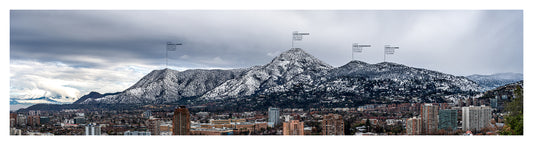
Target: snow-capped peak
{"x": 167, "y": 85}
{"x": 297, "y": 56}
{"x": 291, "y": 67}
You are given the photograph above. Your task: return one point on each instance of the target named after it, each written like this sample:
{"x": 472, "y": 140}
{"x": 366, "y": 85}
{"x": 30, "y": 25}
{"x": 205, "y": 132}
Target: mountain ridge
{"x": 488, "y": 82}
{"x": 292, "y": 72}
{"x": 168, "y": 85}
{"x": 275, "y": 76}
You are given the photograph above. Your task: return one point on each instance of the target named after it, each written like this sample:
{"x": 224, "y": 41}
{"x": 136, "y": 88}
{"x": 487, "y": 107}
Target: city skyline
{"x": 54, "y": 74}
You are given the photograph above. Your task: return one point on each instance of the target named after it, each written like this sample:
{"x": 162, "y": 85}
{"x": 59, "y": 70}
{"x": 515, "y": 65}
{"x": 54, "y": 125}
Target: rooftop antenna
{"x": 170, "y": 47}
{"x": 358, "y": 48}
{"x": 297, "y": 37}
{"x": 389, "y": 50}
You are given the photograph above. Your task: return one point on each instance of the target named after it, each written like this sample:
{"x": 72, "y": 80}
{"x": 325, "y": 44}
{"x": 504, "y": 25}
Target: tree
{"x": 514, "y": 121}
{"x": 367, "y": 124}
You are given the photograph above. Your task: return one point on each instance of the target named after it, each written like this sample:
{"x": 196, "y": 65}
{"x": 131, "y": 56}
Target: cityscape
{"x": 114, "y": 80}
{"x": 469, "y": 117}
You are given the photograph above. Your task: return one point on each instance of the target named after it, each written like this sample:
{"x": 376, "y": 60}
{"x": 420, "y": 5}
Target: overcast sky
{"x": 70, "y": 53}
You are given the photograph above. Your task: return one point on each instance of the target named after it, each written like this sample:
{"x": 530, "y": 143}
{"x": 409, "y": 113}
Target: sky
{"x": 68, "y": 53}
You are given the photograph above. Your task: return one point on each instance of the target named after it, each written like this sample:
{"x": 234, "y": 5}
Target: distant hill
{"x": 488, "y": 82}
{"x": 502, "y": 94}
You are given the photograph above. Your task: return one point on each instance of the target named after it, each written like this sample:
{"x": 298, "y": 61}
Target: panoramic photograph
{"x": 266, "y": 72}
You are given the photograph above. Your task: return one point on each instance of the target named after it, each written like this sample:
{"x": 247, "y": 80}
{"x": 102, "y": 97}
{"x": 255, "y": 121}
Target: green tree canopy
{"x": 514, "y": 121}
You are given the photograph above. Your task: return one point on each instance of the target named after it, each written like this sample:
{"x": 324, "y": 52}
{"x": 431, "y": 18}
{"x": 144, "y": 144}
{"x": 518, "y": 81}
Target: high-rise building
{"x": 154, "y": 125}
{"x": 34, "y": 112}
{"x": 293, "y": 127}
{"x": 93, "y": 129}
{"x": 476, "y": 117}
{"x": 33, "y": 120}
{"x": 448, "y": 119}
{"x": 429, "y": 114}
{"x": 12, "y": 119}
{"x": 332, "y": 124}
{"x": 494, "y": 102}
{"x": 273, "y": 116}
{"x": 21, "y": 119}
{"x": 181, "y": 121}
{"x": 413, "y": 126}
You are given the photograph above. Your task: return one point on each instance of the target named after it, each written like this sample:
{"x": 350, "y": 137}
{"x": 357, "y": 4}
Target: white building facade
{"x": 476, "y": 117}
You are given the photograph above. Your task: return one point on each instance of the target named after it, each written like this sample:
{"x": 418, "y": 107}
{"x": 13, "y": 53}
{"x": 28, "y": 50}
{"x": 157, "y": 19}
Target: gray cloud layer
{"x": 455, "y": 42}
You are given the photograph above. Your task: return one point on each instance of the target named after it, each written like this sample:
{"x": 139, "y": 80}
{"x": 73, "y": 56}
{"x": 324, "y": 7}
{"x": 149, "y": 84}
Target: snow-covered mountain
{"x": 43, "y": 99}
{"x": 289, "y": 68}
{"x": 292, "y": 71}
{"x": 488, "y": 82}
{"x": 401, "y": 75}
{"x": 164, "y": 86}
{"x": 92, "y": 96}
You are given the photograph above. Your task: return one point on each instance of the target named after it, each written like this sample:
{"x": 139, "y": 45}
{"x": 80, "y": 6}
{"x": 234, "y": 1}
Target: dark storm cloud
{"x": 118, "y": 36}
{"x": 70, "y": 53}
{"x": 457, "y": 42}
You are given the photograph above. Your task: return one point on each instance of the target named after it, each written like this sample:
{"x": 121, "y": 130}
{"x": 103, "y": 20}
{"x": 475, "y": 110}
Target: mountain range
{"x": 294, "y": 77}
{"x": 488, "y": 82}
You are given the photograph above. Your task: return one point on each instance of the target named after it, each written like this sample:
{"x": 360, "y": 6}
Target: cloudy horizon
{"x": 71, "y": 53}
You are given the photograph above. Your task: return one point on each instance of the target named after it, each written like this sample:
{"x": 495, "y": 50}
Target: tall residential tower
{"x": 332, "y": 124}
{"x": 273, "y": 116}
{"x": 429, "y": 114}
{"x": 181, "y": 121}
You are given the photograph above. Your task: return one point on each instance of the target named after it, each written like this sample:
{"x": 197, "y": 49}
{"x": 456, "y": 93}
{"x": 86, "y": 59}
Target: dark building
{"x": 494, "y": 102}
{"x": 79, "y": 120}
{"x": 181, "y": 121}
{"x": 448, "y": 119}
{"x": 44, "y": 119}
{"x": 12, "y": 119}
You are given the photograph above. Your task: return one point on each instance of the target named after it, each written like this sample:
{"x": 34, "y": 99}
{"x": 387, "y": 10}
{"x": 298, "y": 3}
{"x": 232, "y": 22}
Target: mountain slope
{"x": 48, "y": 99}
{"x": 92, "y": 96}
{"x": 292, "y": 78}
{"x": 392, "y": 82}
{"x": 289, "y": 68}
{"x": 403, "y": 75}
{"x": 488, "y": 82}
{"x": 167, "y": 86}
